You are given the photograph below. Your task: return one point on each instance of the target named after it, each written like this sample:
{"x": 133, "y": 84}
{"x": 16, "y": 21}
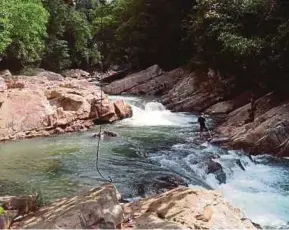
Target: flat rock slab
{"x": 98, "y": 209}
{"x": 184, "y": 208}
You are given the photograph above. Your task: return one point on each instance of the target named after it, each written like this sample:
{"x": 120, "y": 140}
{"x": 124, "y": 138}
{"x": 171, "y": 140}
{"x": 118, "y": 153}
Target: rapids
{"x": 154, "y": 142}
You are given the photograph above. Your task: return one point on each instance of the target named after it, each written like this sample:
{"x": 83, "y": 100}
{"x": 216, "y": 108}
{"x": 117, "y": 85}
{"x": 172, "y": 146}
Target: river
{"x": 153, "y": 143}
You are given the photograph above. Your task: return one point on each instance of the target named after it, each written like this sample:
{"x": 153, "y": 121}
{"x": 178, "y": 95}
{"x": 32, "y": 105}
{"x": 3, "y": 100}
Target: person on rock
{"x": 252, "y": 110}
{"x": 203, "y": 126}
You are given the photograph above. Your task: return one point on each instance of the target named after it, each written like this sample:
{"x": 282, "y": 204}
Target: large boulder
{"x": 181, "y": 89}
{"x": 215, "y": 168}
{"x": 98, "y": 209}
{"x": 113, "y": 75}
{"x": 197, "y": 91}
{"x": 125, "y": 85}
{"x": 51, "y": 76}
{"x": 185, "y": 208}
{"x": 77, "y": 74}
{"x": 152, "y": 81}
{"x": 121, "y": 109}
{"x": 228, "y": 106}
{"x": 37, "y": 106}
{"x": 158, "y": 85}
{"x": 268, "y": 133}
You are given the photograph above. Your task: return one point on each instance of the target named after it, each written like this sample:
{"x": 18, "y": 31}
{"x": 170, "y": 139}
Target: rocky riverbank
{"x": 49, "y": 103}
{"x": 180, "y": 208}
{"x": 186, "y": 91}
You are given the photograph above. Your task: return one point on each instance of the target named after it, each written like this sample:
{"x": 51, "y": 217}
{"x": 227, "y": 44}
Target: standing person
{"x": 202, "y": 122}
{"x": 252, "y": 110}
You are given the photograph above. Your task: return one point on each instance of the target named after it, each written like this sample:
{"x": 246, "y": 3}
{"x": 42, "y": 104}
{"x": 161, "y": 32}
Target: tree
{"x": 69, "y": 44}
{"x": 23, "y": 27}
{"x": 232, "y": 35}
{"x": 144, "y": 31}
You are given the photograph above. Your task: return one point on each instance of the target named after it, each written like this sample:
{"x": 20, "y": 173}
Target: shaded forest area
{"x": 246, "y": 38}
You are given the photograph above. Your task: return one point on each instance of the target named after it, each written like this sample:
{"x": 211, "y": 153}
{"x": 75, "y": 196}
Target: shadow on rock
{"x": 157, "y": 184}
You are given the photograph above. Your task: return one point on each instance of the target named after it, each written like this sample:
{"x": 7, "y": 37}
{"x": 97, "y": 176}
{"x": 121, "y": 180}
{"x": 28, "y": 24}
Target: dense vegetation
{"x": 249, "y": 38}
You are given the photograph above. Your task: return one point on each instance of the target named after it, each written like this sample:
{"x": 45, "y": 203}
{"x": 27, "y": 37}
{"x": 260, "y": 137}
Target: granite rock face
{"x": 49, "y": 104}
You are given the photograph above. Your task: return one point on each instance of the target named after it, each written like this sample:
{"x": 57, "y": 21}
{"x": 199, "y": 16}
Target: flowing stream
{"x": 152, "y": 146}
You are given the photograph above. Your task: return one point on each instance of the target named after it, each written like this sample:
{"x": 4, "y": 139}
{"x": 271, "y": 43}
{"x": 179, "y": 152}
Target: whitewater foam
{"x": 261, "y": 191}
{"x": 257, "y": 191}
{"x": 153, "y": 113}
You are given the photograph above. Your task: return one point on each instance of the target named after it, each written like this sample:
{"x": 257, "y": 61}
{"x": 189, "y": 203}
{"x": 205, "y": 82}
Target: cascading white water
{"x": 261, "y": 191}
{"x": 258, "y": 191}
{"x": 154, "y": 107}
{"x": 152, "y": 113}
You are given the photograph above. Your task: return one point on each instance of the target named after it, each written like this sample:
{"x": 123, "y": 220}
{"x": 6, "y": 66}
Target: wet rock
{"x": 239, "y": 163}
{"x": 213, "y": 167}
{"x": 114, "y": 75}
{"x": 206, "y": 156}
{"x": 258, "y": 226}
{"x": 164, "y": 183}
{"x": 219, "y": 141}
{"x": 251, "y": 158}
{"x": 158, "y": 184}
{"x": 98, "y": 209}
{"x": 216, "y": 168}
{"x": 122, "y": 110}
{"x": 184, "y": 208}
{"x": 105, "y": 134}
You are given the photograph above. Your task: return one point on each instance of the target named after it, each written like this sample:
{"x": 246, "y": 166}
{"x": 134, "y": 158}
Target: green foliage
{"x": 239, "y": 45}
{"x": 144, "y": 32}
{"x": 23, "y": 27}
{"x": 2, "y": 211}
{"x": 231, "y": 34}
{"x": 248, "y": 38}
{"x": 70, "y": 41}
{"x": 5, "y": 31}
{"x": 56, "y": 56}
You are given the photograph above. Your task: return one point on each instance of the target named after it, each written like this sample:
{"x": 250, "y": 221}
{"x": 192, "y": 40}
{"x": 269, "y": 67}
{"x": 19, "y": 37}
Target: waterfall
{"x": 153, "y": 113}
